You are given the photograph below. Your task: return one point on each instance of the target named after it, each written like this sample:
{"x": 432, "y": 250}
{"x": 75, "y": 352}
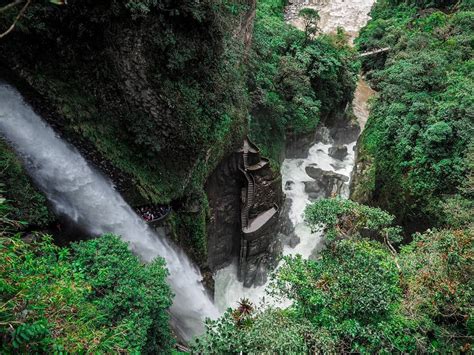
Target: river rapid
{"x": 298, "y": 186}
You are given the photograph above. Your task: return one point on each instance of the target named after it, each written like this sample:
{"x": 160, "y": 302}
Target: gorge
{"x": 304, "y": 169}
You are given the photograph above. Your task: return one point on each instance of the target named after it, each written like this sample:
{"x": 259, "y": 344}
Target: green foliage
{"x": 360, "y": 296}
{"x": 265, "y": 331}
{"x": 347, "y": 219}
{"x": 294, "y": 81}
{"x": 310, "y": 20}
{"x": 348, "y": 301}
{"x": 95, "y": 297}
{"x": 420, "y": 128}
{"x": 128, "y": 292}
{"x": 352, "y": 280}
{"x": 437, "y": 276}
{"x": 189, "y": 229}
{"x": 26, "y": 203}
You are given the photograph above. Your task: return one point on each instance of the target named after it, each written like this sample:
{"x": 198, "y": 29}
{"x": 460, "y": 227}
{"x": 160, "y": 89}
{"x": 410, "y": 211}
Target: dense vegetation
{"x": 26, "y": 203}
{"x": 158, "y": 92}
{"x": 154, "y": 87}
{"x": 418, "y": 144}
{"x": 361, "y": 295}
{"x": 294, "y": 81}
{"x": 163, "y": 90}
{"x": 94, "y": 296}
{"x": 367, "y": 292}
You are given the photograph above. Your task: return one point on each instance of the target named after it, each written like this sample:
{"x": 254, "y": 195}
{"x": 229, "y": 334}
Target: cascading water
{"x": 86, "y": 197}
{"x": 350, "y": 15}
{"x": 228, "y": 289}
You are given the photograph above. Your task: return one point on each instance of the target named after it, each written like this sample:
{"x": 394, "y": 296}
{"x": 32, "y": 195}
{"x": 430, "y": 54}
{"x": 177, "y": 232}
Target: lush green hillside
{"x": 418, "y": 144}
{"x": 294, "y": 82}
{"x": 362, "y": 295}
{"x": 93, "y": 297}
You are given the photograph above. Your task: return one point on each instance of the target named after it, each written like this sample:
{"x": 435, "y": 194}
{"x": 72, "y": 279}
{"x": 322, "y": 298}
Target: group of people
{"x": 151, "y": 213}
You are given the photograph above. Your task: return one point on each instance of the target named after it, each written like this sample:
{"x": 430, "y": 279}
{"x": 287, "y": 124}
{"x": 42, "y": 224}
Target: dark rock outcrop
{"x": 234, "y": 206}
{"x": 297, "y": 146}
{"x": 344, "y": 131}
{"x": 338, "y": 152}
{"x": 223, "y": 188}
{"x": 325, "y": 184}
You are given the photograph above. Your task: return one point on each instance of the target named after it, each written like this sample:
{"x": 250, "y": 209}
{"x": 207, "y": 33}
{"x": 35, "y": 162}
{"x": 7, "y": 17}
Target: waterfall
{"x": 77, "y": 191}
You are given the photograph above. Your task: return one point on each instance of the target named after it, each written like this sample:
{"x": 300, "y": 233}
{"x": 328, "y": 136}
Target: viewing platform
{"x": 154, "y": 215}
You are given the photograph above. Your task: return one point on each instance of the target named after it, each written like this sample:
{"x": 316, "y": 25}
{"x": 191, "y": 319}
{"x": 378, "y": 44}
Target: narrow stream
{"x": 87, "y": 198}
{"x": 350, "y": 15}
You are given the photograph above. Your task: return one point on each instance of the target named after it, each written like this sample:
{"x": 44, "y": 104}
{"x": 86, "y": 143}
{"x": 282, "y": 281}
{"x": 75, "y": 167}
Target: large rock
{"x": 325, "y": 184}
{"x": 297, "y": 146}
{"x": 346, "y": 134}
{"x": 323, "y": 135}
{"x": 223, "y": 188}
{"x": 338, "y": 152}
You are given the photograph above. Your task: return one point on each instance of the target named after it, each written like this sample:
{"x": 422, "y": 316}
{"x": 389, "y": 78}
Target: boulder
{"x": 289, "y": 185}
{"x": 325, "y": 184}
{"x": 338, "y": 152}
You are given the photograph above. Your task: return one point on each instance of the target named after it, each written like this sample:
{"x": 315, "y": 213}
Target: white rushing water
{"x": 77, "y": 191}
{"x": 351, "y": 16}
{"x": 229, "y": 290}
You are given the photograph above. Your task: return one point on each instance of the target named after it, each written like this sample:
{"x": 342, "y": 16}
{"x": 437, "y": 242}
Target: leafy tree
{"x": 437, "y": 278}
{"x": 343, "y": 218}
{"x": 310, "y": 19}
{"x": 127, "y": 291}
{"x": 361, "y": 295}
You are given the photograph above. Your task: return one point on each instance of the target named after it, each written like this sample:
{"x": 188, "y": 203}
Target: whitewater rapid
{"x": 86, "y": 197}
{"x": 229, "y": 290}
{"x": 351, "y": 16}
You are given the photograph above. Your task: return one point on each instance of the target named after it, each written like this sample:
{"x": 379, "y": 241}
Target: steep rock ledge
{"x": 154, "y": 100}
{"x": 244, "y": 196}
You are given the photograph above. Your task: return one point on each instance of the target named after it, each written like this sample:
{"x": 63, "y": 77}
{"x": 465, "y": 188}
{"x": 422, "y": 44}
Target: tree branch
{"x": 20, "y": 14}
{"x": 392, "y": 250}
{"x": 10, "y": 5}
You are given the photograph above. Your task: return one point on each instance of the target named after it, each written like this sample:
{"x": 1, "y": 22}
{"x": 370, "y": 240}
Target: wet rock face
{"x": 343, "y": 132}
{"x": 297, "y": 147}
{"x": 325, "y": 184}
{"x": 260, "y": 256}
{"x": 225, "y": 238}
{"x": 323, "y": 135}
{"x": 338, "y": 152}
{"x": 223, "y": 230}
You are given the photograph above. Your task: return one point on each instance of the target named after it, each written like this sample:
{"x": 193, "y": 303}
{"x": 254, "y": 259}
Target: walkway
{"x": 375, "y": 51}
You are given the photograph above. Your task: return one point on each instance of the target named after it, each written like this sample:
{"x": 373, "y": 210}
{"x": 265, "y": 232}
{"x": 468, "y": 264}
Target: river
{"x": 352, "y": 16}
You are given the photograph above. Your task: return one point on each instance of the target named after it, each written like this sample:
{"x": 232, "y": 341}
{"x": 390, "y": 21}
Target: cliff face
{"x": 155, "y": 89}
{"x": 153, "y": 94}
{"x": 223, "y": 189}
{"x": 245, "y": 197}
